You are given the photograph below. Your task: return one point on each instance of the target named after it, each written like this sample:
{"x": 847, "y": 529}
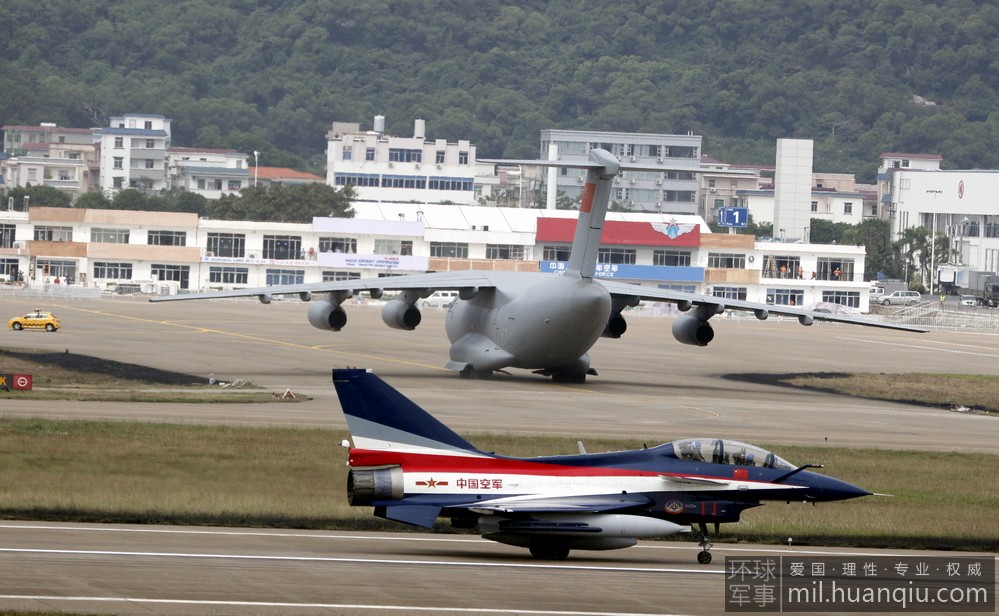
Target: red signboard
{"x": 624, "y": 233}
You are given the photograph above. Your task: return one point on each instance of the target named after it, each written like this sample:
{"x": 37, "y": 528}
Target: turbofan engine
{"x": 327, "y": 315}
{"x": 398, "y": 314}
{"x": 692, "y": 330}
{"x": 616, "y": 326}
{"x": 364, "y": 486}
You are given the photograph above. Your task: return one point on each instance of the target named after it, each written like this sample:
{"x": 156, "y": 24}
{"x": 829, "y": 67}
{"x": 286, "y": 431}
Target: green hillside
{"x": 271, "y": 76}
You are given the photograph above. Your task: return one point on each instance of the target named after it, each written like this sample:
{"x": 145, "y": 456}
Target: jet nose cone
{"x": 829, "y": 488}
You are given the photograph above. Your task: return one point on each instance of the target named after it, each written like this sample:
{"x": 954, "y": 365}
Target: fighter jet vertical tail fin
{"x": 592, "y": 212}
{"x": 381, "y": 418}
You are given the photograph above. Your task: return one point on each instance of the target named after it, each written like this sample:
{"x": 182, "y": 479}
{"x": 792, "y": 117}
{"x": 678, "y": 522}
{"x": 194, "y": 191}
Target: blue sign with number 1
{"x": 733, "y": 216}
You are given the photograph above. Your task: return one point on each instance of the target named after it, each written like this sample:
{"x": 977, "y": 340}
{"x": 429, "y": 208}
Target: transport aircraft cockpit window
{"x": 724, "y": 451}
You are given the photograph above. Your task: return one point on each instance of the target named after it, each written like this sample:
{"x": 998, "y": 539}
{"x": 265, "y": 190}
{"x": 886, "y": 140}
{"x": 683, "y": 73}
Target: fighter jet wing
{"x": 620, "y": 289}
{"x": 426, "y": 283}
{"x": 595, "y": 503}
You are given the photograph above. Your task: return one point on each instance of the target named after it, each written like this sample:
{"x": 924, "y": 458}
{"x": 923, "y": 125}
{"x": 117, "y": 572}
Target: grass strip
{"x": 138, "y": 472}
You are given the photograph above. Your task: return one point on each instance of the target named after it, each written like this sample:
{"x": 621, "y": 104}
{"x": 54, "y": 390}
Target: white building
{"x": 207, "y": 172}
{"x": 387, "y": 168}
{"x": 133, "y": 153}
{"x": 670, "y": 191}
{"x": 49, "y": 155}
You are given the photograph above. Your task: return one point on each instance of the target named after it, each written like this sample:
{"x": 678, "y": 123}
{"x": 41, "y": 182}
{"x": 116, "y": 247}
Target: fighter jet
{"x": 545, "y": 322}
{"x": 412, "y": 468}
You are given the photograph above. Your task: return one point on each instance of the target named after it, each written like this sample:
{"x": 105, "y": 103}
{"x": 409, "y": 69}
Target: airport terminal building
{"x": 167, "y": 252}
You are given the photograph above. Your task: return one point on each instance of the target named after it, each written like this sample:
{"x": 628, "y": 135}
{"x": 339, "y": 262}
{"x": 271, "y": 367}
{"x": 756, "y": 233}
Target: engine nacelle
{"x": 367, "y": 485}
{"x": 691, "y": 330}
{"x": 327, "y": 316}
{"x": 397, "y": 314}
{"x": 616, "y": 326}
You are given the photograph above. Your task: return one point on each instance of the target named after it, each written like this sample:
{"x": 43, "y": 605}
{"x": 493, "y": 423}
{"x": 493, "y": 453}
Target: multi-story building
{"x": 382, "y": 167}
{"x": 167, "y": 252}
{"x": 207, "y": 172}
{"x": 671, "y": 191}
{"x": 50, "y": 155}
{"x": 133, "y": 153}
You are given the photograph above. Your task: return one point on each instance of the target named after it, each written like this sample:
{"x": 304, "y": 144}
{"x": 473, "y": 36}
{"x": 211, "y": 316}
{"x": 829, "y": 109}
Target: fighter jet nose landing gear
{"x": 704, "y": 556}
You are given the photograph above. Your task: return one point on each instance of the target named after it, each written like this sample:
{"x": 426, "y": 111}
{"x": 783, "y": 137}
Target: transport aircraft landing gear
{"x": 704, "y": 556}
{"x": 468, "y": 372}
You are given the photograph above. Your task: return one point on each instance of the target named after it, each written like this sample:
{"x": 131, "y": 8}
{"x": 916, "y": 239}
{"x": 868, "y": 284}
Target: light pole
{"x": 933, "y": 241}
{"x": 256, "y": 167}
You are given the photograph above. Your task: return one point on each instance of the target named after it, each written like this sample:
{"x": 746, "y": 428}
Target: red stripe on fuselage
{"x": 434, "y": 463}
{"x": 587, "y": 202}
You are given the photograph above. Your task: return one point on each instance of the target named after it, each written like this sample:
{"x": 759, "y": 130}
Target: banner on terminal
{"x": 620, "y": 271}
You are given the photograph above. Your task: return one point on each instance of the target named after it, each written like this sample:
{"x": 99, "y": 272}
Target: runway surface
{"x": 650, "y": 388}
{"x": 185, "y": 570}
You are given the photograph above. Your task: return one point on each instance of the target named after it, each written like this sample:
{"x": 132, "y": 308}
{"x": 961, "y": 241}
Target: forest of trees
{"x": 858, "y": 78}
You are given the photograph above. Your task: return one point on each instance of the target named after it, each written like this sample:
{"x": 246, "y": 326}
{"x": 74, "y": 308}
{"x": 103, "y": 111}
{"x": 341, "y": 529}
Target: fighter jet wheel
{"x": 704, "y": 557}
{"x": 547, "y": 551}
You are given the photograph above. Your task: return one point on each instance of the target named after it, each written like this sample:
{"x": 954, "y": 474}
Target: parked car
{"x": 35, "y": 320}
{"x": 969, "y": 300}
{"x": 905, "y": 298}
{"x": 876, "y": 292}
{"x": 439, "y": 299}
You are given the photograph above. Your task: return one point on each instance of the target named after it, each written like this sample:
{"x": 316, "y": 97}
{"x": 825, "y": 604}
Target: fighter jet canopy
{"x": 725, "y": 451}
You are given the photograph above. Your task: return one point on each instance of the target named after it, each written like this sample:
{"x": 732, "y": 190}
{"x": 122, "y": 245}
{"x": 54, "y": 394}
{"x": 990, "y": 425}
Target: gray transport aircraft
{"x": 545, "y": 322}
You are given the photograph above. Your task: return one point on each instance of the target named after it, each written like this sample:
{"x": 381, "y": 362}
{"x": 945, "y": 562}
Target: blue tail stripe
{"x": 366, "y": 397}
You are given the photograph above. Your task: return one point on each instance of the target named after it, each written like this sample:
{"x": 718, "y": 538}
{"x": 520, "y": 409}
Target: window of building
{"x": 558, "y": 252}
{"x": 679, "y": 258}
{"x": 109, "y": 236}
{"x": 228, "y": 275}
{"x": 462, "y": 158}
{"x": 7, "y": 233}
{"x": 505, "y": 251}
{"x": 682, "y": 288}
{"x": 45, "y": 233}
{"x": 62, "y": 268}
{"x": 729, "y": 292}
{"x": 234, "y": 185}
{"x": 158, "y": 237}
{"x": 450, "y": 184}
{"x": 782, "y": 266}
{"x": 846, "y": 298}
{"x": 815, "y": 206}
{"x": 10, "y": 268}
{"x": 848, "y": 208}
{"x": 112, "y": 270}
{"x": 150, "y": 163}
{"x": 334, "y": 276}
{"x": 226, "y": 245}
{"x": 285, "y": 276}
{"x": 201, "y": 183}
{"x": 348, "y": 152}
{"x": 405, "y": 155}
{"x": 786, "y": 297}
{"x": 119, "y": 162}
{"x": 117, "y": 182}
{"x": 440, "y": 157}
{"x": 119, "y": 143}
{"x": 63, "y": 175}
{"x": 457, "y": 250}
{"x": 283, "y": 247}
{"x": 393, "y": 247}
{"x": 615, "y": 255}
{"x": 834, "y": 268}
{"x": 369, "y": 154}
{"x": 338, "y": 244}
{"x": 148, "y": 124}
{"x": 679, "y": 196}
{"x": 680, "y": 175}
{"x": 724, "y": 260}
{"x": 404, "y": 181}
{"x": 176, "y": 273}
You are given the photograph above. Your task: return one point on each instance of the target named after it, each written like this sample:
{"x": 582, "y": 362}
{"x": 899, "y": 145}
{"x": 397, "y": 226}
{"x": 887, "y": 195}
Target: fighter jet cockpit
{"x": 725, "y": 451}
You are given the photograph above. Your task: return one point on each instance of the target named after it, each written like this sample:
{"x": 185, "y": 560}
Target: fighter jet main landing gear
{"x": 549, "y": 550}
{"x": 704, "y": 556}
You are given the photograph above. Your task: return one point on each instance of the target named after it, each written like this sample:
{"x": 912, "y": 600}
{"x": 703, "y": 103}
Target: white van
{"x": 439, "y": 299}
